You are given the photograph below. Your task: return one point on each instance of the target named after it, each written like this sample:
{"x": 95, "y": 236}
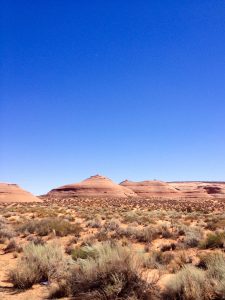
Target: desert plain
{"x": 101, "y": 240}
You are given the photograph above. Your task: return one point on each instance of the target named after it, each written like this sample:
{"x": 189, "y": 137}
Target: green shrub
{"x": 112, "y": 274}
{"x": 130, "y": 217}
{"x": 192, "y": 283}
{"x": 6, "y": 232}
{"x": 102, "y": 235}
{"x": 95, "y": 223}
{"x": 38, "y": 263}
{"x": 12, "y": 247}
{"x": 145, "y": 235}
{"x": 37, "y": 240}
{"x": 213, "y": 240}
{"x": 113, "y": 224}
{"x": 188, "y": 284}
{"x": 193, "y": 236}
{"x": 46, "y": 226}
{"x": 83, "y": 252}
{"x": 157, "y": 259}
{"x": 214, "y": 265}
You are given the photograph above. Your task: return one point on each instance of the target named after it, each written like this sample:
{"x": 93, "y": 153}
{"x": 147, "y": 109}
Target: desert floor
{"x": 177, "y": 246}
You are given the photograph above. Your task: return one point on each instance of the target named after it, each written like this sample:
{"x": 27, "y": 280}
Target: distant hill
{"x": 101, "y": 186}
{"x": 152, "y": 188}
{"x": 94, "y": 186}
{"x": 13, "y": 193}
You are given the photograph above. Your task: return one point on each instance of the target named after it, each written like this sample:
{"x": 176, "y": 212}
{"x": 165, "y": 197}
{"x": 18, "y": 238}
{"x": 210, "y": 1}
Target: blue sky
{"x": 127, "y": 89}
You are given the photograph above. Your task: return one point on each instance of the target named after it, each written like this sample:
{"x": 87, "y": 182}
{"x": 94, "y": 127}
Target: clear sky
{"x": 126, "y": 89}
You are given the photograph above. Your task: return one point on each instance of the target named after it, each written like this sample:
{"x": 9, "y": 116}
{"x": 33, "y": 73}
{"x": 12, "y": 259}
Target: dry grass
{"x": 12, "y": 246}
{"x": 213, "y": 240}
{"x": 83, "y": 252}
{"x": 6, "y": 232}
{"x": 39, "y": 263}
{"x": 192, "y": 283}
{"x": 113, "y": 273}
{"x": 46, "y": 226}
{"x": 188, "y": 284}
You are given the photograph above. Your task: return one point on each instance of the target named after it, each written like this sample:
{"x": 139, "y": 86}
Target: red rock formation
{"x": 152, "y": 188}
{"x": 13, "y": 193}
{"x": 200, "y": 189}
{"x": 98, "y": 186}
{"x": 94, "y": 186}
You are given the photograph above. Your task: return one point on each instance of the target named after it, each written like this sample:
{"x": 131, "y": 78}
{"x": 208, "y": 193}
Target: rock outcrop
{"x": 200, "y": 189}
{"x": 100, "y": 186}
{"x": 177, "y": 190}
{"x": 97, "y": 185}
{"x": 152, "y": 188}
{"x": 13, "y": 193}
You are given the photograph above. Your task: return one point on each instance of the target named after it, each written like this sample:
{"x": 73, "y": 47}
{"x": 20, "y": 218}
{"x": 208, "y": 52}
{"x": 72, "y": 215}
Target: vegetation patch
{"x": 84, "y": 252}
{"x": 213, "y": 240}
{"x": 39, "y": 263}
{"x": 46, "y": 226}
{"x": 112, "y": 274}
